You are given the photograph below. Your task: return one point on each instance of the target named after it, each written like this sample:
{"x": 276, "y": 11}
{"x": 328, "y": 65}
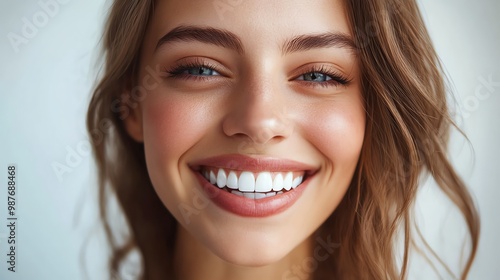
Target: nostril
{"x": 259, "y": 122}
{"x": 260, "y": 136}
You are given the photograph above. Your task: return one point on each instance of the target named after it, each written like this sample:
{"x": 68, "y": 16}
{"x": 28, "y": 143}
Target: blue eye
{"x": 314, "y": 77}
{"x": 322, "y": 76}
{"x": 197, "y": 69}
{"x": 201, "y": 71}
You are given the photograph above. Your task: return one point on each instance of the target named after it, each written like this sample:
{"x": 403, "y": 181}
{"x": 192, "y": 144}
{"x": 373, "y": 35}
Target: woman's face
{"x": 254, "y": 121}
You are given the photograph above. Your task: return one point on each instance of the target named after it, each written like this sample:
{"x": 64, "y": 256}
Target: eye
{"x": 193, "y": 70}
{"x": 200, "y": 71}
{"x": 314, "y": 77}
{"x": 322, "y": 76}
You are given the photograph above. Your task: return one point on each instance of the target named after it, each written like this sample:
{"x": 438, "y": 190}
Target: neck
{"x": 194, "y": 261}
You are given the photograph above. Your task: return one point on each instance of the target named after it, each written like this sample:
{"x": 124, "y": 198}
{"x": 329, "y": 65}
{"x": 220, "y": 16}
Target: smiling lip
{"x": 248, "y": 207}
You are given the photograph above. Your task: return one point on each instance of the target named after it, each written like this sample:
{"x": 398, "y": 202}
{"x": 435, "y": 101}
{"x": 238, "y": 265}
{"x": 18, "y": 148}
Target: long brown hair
{"x": 406, "y": 134}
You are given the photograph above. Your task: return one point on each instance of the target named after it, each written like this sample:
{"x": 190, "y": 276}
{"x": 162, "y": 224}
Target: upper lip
{"x": 254, "y": 164}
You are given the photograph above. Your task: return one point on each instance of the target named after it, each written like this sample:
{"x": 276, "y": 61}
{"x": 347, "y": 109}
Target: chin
{"x": 252, "y": 250}
{"x": 257, "y": 257}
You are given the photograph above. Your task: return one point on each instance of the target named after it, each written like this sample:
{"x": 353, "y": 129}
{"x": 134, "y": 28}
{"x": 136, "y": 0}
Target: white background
{"x": 45, "y": 88}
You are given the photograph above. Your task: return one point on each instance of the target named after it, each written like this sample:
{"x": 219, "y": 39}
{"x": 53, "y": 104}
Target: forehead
{"x": 256, "y": 22}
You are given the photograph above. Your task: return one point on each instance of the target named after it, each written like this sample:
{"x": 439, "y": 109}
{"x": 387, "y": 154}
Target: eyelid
{"x": 315, "y": 67}
{"x": 337, "y": 75}
{"x": 190, "y": 62}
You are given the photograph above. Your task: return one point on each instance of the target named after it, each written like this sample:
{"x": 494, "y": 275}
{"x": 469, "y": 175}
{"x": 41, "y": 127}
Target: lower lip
{"x": 248, "y": 207}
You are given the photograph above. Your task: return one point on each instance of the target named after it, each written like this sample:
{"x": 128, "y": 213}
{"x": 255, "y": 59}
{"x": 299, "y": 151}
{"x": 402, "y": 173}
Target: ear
{"x": 133, "y": 120}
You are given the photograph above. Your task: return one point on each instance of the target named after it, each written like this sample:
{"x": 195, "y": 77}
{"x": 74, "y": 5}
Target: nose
{"x": 258, "y": 114}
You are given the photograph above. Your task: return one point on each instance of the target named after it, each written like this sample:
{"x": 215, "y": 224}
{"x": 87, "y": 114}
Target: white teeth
{"x": 259, "y": 195}
{"x": 237, "y": 193}
{"x": 221, "y": 178}
{"x": 260, "y": 185}
{"x": 232, "y": 181}
{"x": 287, "y": 183}
{"x": 213, "y": 180}
{"x": 246, "y": 183}
{"x": 249, "y": 195}
{"x": 278, "y": 183}
{"x": 264, "y": 182}
{"x": 296, "y": 182}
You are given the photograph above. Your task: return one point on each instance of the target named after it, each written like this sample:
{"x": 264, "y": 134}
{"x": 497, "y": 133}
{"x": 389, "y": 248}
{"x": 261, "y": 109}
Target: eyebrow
{"x": 314, "y": 41}
{"x": 209, "y": 35}
{"x": 229, "y": 40}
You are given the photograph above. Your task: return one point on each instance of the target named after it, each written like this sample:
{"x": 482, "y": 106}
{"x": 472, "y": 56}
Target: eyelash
{"x": 337, "y": 79}
{"x": 178, "y": 71}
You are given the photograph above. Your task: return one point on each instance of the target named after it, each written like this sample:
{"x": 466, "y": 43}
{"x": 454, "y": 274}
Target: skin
{"x": 257, "y": 105}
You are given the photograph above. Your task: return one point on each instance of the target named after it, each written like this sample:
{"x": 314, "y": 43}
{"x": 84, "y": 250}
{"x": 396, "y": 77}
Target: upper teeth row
{"x": 248, "y": 182}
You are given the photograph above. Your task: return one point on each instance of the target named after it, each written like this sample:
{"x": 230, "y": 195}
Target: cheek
{"x": 337, "y": 129}
{"x": 172, "y": 124}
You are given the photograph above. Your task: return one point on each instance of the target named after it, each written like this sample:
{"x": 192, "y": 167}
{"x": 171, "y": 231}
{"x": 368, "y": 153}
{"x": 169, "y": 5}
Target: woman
{"x": 270, "y": 139}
